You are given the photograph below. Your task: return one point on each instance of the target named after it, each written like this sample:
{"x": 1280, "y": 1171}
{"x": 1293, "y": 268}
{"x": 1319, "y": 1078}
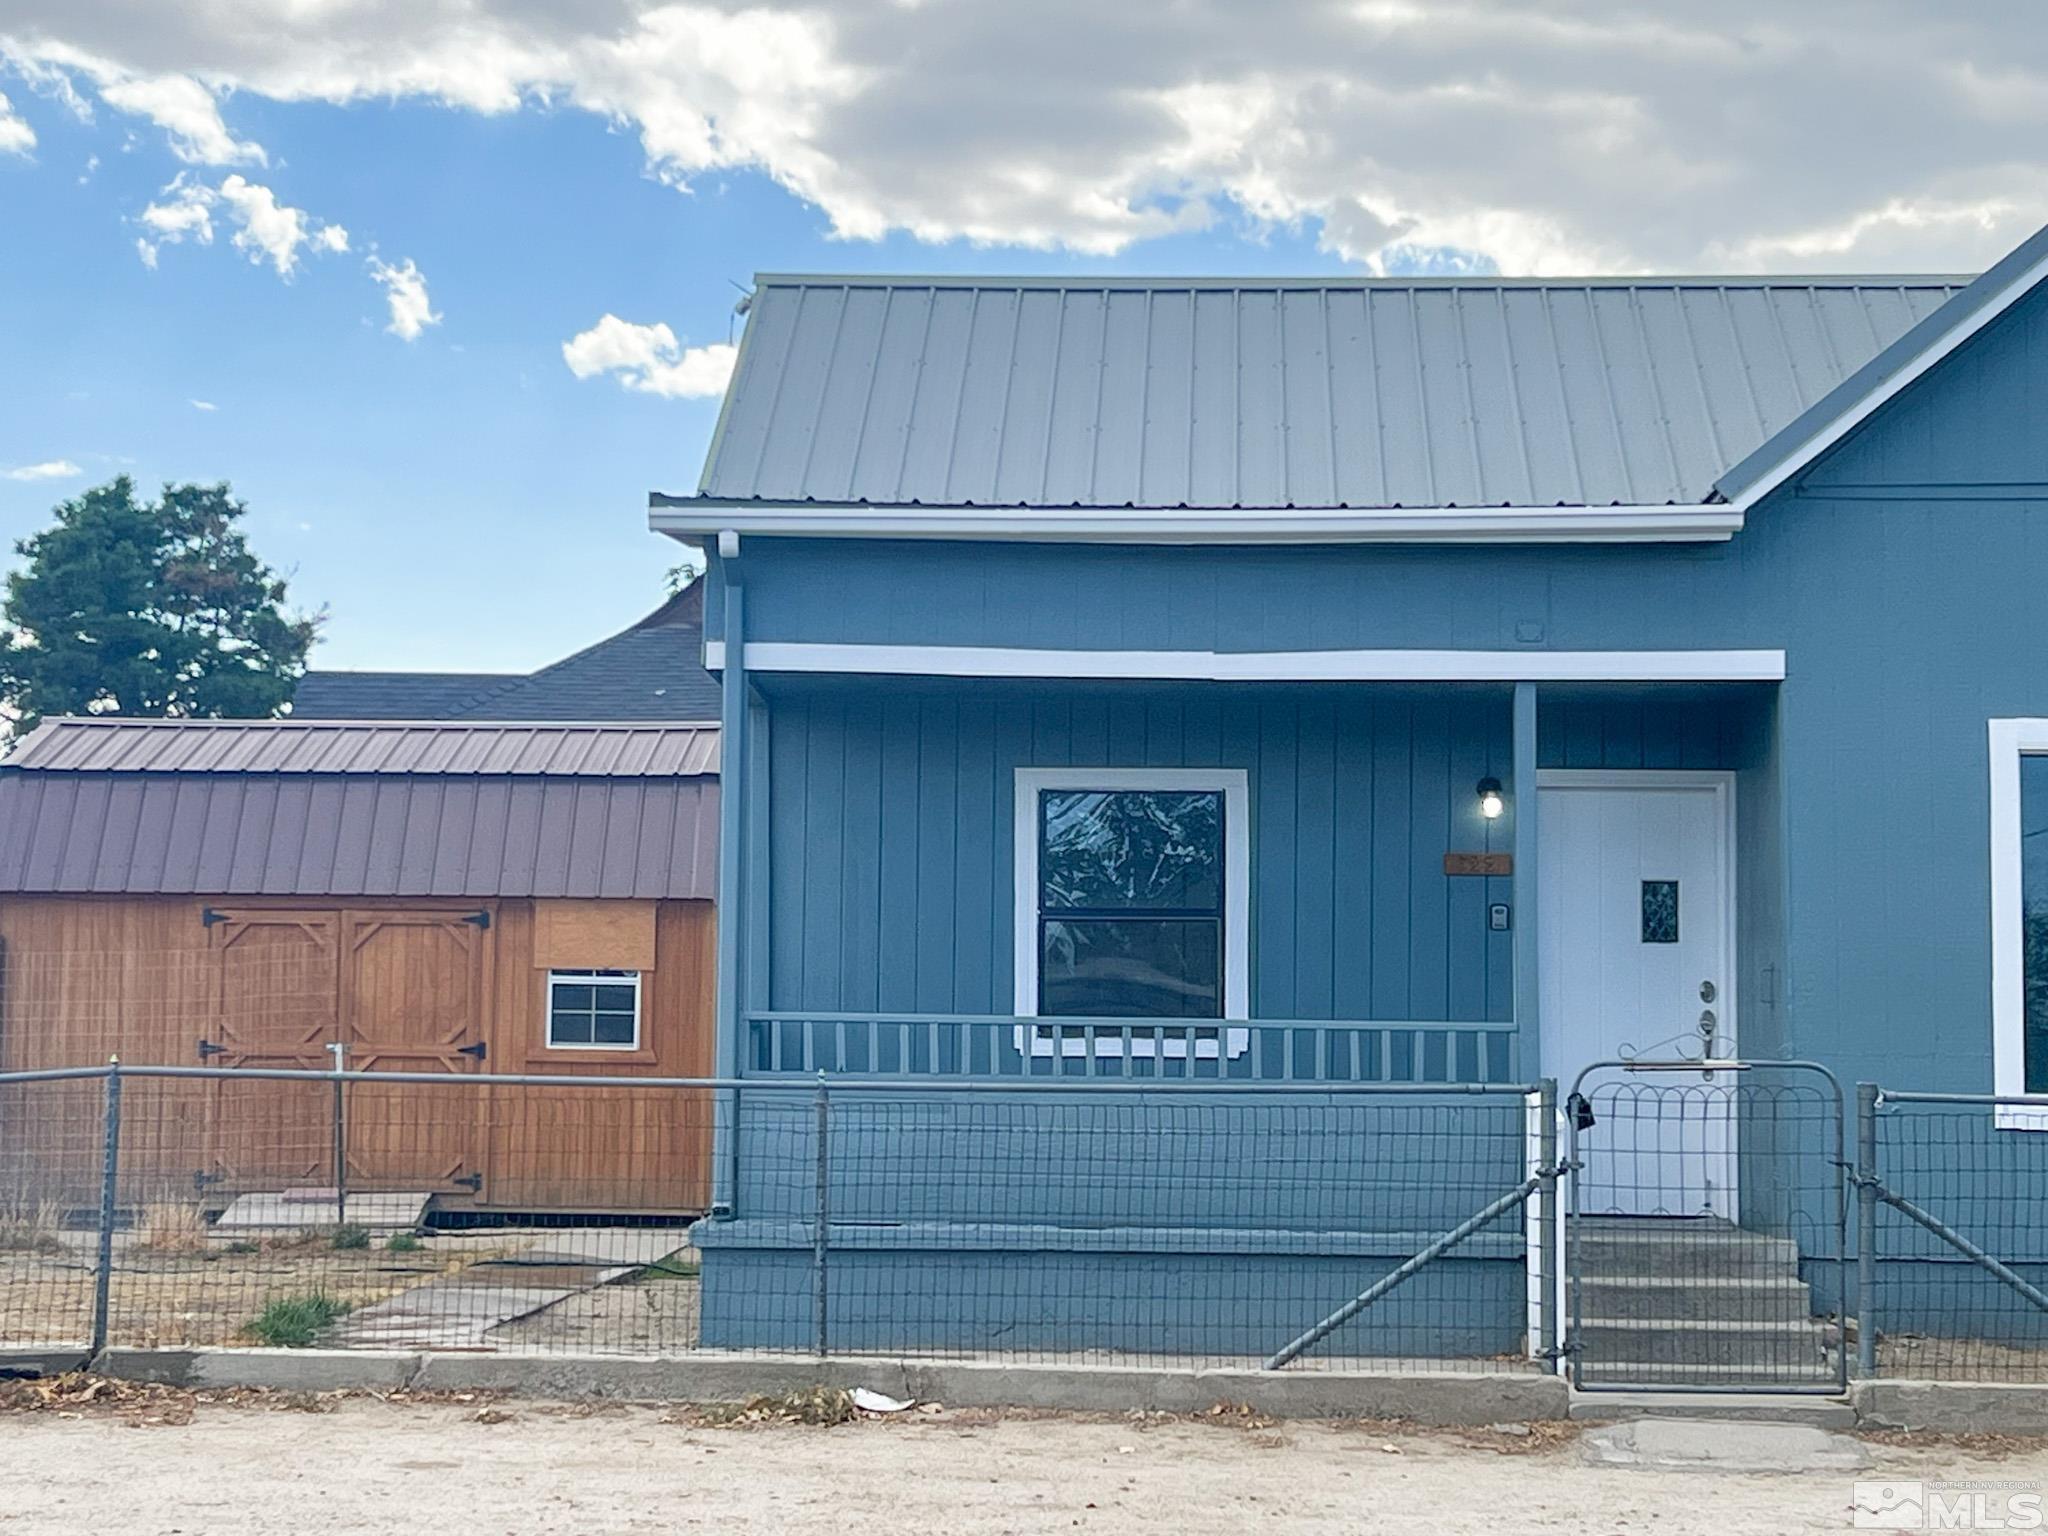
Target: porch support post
{"x": 733, "y": 854}
{"x": 1528, "y": 1040}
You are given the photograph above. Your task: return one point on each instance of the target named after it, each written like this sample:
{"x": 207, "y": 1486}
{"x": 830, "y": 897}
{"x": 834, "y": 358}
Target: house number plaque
{"x": 1479, "y": 863}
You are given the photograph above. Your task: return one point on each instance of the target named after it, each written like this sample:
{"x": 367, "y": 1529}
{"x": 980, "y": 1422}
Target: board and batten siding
{"x": 144, "y": 977}
{"x": 891, "y": 841}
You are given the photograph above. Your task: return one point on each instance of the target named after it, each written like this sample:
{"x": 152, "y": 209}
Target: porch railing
{"x": 998, "y": 1047}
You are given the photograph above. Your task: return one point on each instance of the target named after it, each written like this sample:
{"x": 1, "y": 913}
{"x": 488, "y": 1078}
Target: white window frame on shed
{"x": 1140, "y": 1037}
{"x": 2010, "y": 741}
{"x": 577, "y": 976}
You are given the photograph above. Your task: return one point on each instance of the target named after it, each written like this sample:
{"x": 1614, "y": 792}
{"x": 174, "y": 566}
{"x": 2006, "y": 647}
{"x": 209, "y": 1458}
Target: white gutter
{"x": 1706, "y": 523}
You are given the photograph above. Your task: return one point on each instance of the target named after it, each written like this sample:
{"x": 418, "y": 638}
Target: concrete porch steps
{"x": 1694, "y": 1302}
{"x": 1720, "y": 1298}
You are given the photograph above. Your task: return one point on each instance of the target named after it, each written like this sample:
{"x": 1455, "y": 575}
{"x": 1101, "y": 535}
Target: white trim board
{"x": 1706, "y": 522}
{"x": 1754, "y": 666}
{"x": 2009, "y": 741}
{"x": 1234, "y": 785}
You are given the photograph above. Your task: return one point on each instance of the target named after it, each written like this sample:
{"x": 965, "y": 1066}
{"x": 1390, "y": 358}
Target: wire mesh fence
{"x": 1187, "y": 1224}
{"x": 1955, "y": 1195}
{"x": 1733, "y": 1232}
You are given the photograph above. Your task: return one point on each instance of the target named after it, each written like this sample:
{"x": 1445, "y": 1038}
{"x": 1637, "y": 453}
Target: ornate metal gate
{"x": 1706, "y": 1231}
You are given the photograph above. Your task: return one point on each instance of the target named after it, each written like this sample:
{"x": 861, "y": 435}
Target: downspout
{"x": 732, "y": 885}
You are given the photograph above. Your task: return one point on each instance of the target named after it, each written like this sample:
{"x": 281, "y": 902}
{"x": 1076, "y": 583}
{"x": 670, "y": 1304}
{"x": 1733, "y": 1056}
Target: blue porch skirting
{"x": 1212, "y": 1293}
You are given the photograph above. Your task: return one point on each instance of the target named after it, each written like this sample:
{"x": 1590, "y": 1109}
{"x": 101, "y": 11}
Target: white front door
{"x": 1635, "y": 877}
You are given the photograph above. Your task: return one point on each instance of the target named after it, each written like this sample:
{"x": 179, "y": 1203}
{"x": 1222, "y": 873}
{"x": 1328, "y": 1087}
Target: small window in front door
{"x": 1660, "y": 911}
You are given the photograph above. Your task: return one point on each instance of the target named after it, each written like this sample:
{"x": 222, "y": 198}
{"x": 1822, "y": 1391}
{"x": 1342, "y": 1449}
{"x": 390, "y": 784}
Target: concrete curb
{"x": 1449, "y": 1398}
{"x": 1997, "y": 1408}
{"x": 53, "y": 1361}
{"x": 283, "y": 1370}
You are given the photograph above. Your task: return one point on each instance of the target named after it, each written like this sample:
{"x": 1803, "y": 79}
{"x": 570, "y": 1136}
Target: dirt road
{"x": 461, "y": 1468}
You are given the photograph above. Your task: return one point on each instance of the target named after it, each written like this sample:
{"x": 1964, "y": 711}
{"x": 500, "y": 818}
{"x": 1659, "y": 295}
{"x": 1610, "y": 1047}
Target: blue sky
{"x": 461, "y": 500}
{"x": 455, "y": 495}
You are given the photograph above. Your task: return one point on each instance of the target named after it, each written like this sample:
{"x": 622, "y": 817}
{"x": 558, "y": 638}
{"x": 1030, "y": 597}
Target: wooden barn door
{"x": 413, "y": 990}
{"x": 277, "y": 1004}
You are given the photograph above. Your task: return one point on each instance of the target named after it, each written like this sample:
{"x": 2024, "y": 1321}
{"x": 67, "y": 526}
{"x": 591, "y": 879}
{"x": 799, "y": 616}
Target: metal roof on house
{"x": 1351, "y": 393}
{"x": 112, "y": 744}
{"x": 652, "y": 670}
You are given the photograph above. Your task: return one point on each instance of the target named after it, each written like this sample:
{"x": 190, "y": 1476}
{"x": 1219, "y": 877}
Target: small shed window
{"x": 594, "y": 1010}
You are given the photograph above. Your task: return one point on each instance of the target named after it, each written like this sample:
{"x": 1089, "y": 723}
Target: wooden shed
{"x": 445, "y": 897}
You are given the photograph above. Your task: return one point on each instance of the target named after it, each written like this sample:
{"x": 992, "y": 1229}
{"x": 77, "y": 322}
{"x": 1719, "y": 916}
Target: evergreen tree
{"x": 138, "y": 607}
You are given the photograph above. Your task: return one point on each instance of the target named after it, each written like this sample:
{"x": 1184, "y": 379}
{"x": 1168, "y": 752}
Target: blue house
{"x": 1438, "y": 681}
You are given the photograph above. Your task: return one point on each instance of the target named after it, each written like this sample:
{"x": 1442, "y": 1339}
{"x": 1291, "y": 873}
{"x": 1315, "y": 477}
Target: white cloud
{"x": 187, "y": 112}
{"x": 1598, "y": 135}
{"x": 49, "y": 469}
{"x": 270, "y": 229}
{"x": 264, "y": 228}
{"x": 203, "y": 405}
{"x": 16, "y": 137}
{"x": 648, "y": 358}
{"x": 405, "y": 292}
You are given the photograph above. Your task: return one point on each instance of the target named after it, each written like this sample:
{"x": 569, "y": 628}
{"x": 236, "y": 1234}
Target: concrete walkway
{"x": 459, "y": 1310}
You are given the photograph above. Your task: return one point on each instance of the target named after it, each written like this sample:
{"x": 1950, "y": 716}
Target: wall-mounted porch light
{"x": 1490, "y": 802}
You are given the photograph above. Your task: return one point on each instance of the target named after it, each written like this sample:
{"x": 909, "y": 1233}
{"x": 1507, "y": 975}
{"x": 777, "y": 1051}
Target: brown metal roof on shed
{"x": 118, "y": 745}
{"x": 339, "y": 809}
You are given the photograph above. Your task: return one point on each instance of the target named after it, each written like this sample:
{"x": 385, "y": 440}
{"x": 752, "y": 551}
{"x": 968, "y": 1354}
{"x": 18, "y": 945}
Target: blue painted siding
{"x": 1027, "y": 1296}
{"x": 891, "y": 854}
{"x": 1214, "y": 1226}
{"x": 1901, "y": 579}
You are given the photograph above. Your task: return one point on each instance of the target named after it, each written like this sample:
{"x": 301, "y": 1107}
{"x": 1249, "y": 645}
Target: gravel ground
{"x": 258, "y": 1465}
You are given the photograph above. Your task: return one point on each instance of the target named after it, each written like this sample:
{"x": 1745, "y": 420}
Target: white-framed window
{"x": 593, "y": 1010}
{"x": 2019, "y": 918}
{"x": 1133, "y": 889}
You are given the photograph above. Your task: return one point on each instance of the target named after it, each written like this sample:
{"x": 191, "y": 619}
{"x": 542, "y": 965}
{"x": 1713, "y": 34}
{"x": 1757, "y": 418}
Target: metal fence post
{"x": 110, "y": 1171}
{"x": 339, "y": 1048}
{"x": 822, "y": 1212}
{"x": 1866, "y": 1229}
{"x": 1547, "y": 1343}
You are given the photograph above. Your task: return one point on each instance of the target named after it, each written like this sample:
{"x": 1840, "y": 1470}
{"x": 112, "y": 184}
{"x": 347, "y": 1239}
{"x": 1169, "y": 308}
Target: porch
{"x": 1368, "y": 906}
{"x": 992, "y": 882}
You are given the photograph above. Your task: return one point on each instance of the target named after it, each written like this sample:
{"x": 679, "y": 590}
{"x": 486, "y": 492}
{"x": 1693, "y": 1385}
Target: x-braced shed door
{"x": 413, "y": 991}
{"x": 277, "y": 1000}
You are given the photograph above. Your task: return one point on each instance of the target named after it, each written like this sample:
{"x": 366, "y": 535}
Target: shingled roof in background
{"x": 653, "y": 670}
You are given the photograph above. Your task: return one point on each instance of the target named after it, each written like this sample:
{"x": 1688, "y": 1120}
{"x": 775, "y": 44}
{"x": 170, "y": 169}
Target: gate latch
{"x": 1581, "y": 1111}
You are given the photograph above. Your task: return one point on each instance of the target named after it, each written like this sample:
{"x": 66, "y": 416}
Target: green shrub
{"x": 402, "y": 1242}
{"x": 350, "y": 1236}
{"x": 293, "y": 1322}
